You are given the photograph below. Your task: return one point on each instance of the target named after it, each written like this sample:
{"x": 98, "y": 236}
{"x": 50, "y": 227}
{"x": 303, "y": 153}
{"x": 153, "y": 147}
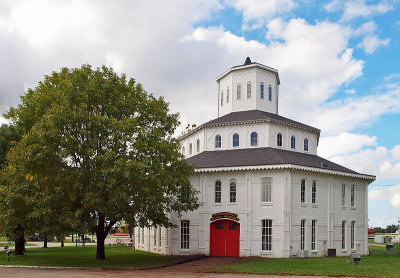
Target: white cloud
{"x": 382, "y": 193}
{"x": 257, "y": 12}
{"x": 371, "y": 43}
{"x": 358, "y": 8}
{"x": 366, "y": 28}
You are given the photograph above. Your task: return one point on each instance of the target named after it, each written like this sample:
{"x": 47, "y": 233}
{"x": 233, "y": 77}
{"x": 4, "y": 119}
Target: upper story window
{"x": 227, "y": 95}
{"x": 190, "y": 149}
{"x": 232, "y": 192}
{"x": 269, "y": 93}
{"x": 306, "y": 144}
{"x": 253, "y": 138}
{"x": 236, "y": 140}
{"x": 279, "y": 140}
{"x": 303, "y": 191}
{"x": 218, "y": 191}
{"x": 266, "y": 190}
{"x": 352, "y": 195}
{"x": 198, "y": 145}
{"x": 239, "y": 91}
{"x": 343, "y": 195}
{"x": 249, "y": 89}
{"x": 314, "y": 192}
{"x": 262, "y": 90}
{"x": 222, "y": 98}
{"x": 218, "y": 141}
{"x": 293, "y": 142}
{"x": 183, "y": 150}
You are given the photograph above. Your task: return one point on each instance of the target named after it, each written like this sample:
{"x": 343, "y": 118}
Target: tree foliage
{"x": 100, "y": 149}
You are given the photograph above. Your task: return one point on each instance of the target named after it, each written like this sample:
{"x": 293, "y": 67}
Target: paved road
{"x": 187, "y": 270}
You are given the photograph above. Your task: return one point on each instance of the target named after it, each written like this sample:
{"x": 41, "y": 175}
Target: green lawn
{"x": 370, "y": 266}
{"x": 382, "y": 248}
{"x": 2, "y": 244}
{"x": 70, "y": 256}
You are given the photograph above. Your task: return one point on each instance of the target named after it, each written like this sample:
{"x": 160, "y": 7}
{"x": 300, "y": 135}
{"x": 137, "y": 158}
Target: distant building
{"x": 264, "y": 190}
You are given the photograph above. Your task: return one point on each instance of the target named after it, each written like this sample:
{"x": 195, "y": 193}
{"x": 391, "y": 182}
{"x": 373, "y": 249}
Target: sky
{"x": 338, "y": 62}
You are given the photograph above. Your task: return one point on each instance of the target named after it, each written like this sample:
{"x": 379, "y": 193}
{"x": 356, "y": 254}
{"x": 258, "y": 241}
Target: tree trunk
{"x": 62, "y": 243}
{"x": 72, "y": 237}
{"x": 101, "y": 236}
{"x": 83, "y": 240}
{"x": 19, "y": 240}
{"x": 45, "y": 241}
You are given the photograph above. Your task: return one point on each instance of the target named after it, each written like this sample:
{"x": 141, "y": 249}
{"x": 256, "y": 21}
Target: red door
{"x": 224, "y": 236}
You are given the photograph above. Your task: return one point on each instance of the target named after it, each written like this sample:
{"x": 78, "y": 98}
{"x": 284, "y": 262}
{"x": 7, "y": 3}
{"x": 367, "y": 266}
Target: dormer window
{"x": 262, "y": 90}
{"x": 236, "y": 140}
{"x": 227, "y": 95}
{"x": 239, "y": 91}
{"x": 293, "y": 142}
{"x": 269, "y": 93}
{"x": 249, "y": 89}
{"x": 279, "y": 140}
{"x": 222, "y": 98}
{"x": 306, "y": 144}
{"x": 218, "y": 141}
{"x": 253, "y": 138}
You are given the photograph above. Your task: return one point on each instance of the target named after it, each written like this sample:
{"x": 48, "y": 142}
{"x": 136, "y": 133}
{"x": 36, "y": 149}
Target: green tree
{"x": 98, "y": 143}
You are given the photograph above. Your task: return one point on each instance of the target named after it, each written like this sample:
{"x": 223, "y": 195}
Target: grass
{"x": 2, "y": 244}
{"x": 370, "y": 266}
{"x": 371, "y": 241}
{"x": 382, "y": 248}
{"x": 69, "y": 256}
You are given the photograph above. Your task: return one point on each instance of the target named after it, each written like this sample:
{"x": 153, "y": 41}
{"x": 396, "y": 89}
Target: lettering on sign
{"x": 221, "y": 215}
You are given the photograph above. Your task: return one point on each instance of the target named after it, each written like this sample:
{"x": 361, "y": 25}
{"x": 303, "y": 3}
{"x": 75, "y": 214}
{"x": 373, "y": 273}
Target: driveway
{"x": 188, "y": 270}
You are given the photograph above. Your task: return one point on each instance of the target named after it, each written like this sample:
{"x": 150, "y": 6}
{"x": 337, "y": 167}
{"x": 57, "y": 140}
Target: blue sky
{"x": 338, "y": 62}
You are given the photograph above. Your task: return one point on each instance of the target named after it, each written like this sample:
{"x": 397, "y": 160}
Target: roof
{"x": 263, "y": 156}
{"x": 255, "y": 115}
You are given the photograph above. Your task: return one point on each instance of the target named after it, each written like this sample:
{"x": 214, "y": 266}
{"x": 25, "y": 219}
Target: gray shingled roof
{"x": 262, "y": 156}
{"x": 254, "y": 115}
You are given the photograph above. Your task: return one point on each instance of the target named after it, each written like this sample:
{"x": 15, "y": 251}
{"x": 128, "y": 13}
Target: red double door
{"x": 224, "y": 238}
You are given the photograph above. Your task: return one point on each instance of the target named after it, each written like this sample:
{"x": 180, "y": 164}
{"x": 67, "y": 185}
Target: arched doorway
{"x": 224, "y": 238}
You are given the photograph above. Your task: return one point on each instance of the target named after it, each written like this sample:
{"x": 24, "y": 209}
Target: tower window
{"x": 218, "y": 141}
{"x": 239, "y": 91}
{"x": 269, "y": 93}
{"x": 293, "y": 142}
{"x": 262, "y": 90}
{"x": 222, "y": 98}
{"x": 279, "y": 140}
{"x": 198, "y": 145}
{"x": 253, "y": 138}
{"x": 236, "y": 140}
{"x": 249, "y": 89}
{"x": 190, "y": 149}
{"x": 306, "y": 144}
{"x": 227, "y": 95}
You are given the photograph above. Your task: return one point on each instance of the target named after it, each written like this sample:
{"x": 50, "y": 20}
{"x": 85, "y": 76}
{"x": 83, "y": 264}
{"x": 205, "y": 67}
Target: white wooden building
{"x": 264, "y": 191}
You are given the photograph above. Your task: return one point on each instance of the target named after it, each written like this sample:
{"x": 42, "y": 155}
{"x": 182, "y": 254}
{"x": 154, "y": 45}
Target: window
{"x": 314, "y": 192}
{"x": 184, "y": 234}
{"x": 183, "y": 150}
{"x": 218, "y": 191}
{"x": 198, "y": 145}
{"x": 306, "y": 144}
{"x": 262, "y": 90}
{"x": 303, "y": 191}
{"x": 248, "y": 90}
{"x": 313, "y": 227}
{"x": 352, "y": 195}
{"x": 343, "y": 195}
{"x": 232, "y": 192}
{"x": 353, "y": 224}
{"x": 138, "y": 236}
{"x": 302, "y": 234}
{"x": 269, "y": 93}
{"x": 159, "y": 236}
{"x": 190, "y": 149}
{"x": 227, "y": 95}
{"x": 253, "y": 137}
{"x": 218, "y": 141}
{"x": 266, "y": 238}
{"x": 279, "y": 140}
{"x": 155, "y": 236}
{"x": 222, "y": 98}
{"x": 142, "y": 235}
{"x": 236, "y": 140}
{"x": 293, "y": 142}
{"x": 343, "y": 235}
{"x": 239, "y": 91}
{"x": 266, "y": 190}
